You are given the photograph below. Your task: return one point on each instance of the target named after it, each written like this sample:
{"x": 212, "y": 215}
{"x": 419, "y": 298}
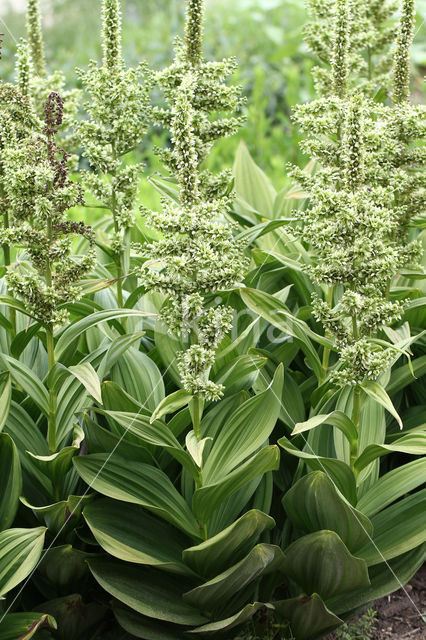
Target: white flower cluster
{"x": 197, "y": 254}
{"x": 367, "y": 188}
{"x": 38, "y": 194}
{"x": 118, "y": 109}
{"x": 33, "y": 80}
{"x": 360, "y": 43}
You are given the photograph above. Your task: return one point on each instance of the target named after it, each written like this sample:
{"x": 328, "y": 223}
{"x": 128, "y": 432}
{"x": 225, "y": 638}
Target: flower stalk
{"x": 118, "y": 108}
{"x": 197, "y": 256}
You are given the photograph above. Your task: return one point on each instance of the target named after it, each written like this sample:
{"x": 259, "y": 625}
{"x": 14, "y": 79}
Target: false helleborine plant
{"x": 360, "y": 203}
{"x": 34, "y": 81}
{"x": 118, "y": 109}
{"x": 197, "y": 255}
{"x": 39, "y": 194}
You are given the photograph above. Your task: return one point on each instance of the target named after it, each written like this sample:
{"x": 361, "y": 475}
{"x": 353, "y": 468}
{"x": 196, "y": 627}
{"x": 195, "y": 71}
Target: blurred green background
{"x": 264, "y": 35}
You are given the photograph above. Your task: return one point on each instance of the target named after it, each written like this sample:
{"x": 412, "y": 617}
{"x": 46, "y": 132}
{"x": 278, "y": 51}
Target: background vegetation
{"x": 264, "y": 35}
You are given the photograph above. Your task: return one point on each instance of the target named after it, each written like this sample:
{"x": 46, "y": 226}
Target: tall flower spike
{"x": 340, "y": 59}
{"x": 353, "y": 144}
{"x": 35, "y": 37}
{"x": 194, "y": 31}
{"x": 111, "y": 33}
{"x": 24, "y": 67}
{"x": 118, "y": 109}
{"x": 197, "y": 255}
{"x": 40, "y": 193}
{"x": 401, "y": 69}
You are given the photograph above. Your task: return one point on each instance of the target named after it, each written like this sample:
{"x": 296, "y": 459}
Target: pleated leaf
{"x": 128, "y": 532}
{"x": 146, "y": 590}
{"x": 314, "y": 503}
{"x": 20, "y": 550}
{"x": 229, "y": 546}
{"x": 136, "y": 483}
{"x": 246, "y": 430}
{"x": 320, "y": 563}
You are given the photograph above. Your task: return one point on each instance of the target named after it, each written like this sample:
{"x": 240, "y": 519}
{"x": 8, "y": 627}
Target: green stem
{"x": 196, "y": 413}
{"x": 119, "y": 257}
{"x": 196, "y": 417}
{"x": 326, "y": 352}
{"x": 50, "y": 346}
{"x": 51, "y": 424}
{"x": 7, "y": 263}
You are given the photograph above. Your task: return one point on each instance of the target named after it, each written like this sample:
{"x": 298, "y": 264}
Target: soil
{"x": 397, "y": 614}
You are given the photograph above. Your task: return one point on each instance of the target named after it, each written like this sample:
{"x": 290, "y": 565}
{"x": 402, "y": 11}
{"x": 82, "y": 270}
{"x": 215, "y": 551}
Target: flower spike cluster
{"x": 360, "y": 205}
{"x": 34, "y": 81}
{"x": 361, "y": 43}
{"x": 40, "y": 193}
{"x": 197, "y": 255}
{"x": 35, "y": 37}
{"x": 118, "y": 109}
{"x": 401, "y": 68}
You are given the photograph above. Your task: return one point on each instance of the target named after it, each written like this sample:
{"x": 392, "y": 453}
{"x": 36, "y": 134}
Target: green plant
{"x": 118, "y": 111}
{"x": 139, "y": 423}
{"x": 361, "y": 629}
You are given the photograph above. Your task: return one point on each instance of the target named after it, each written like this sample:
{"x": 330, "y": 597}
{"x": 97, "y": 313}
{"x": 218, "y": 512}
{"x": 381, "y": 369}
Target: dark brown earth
{"x": 398, "y": 614}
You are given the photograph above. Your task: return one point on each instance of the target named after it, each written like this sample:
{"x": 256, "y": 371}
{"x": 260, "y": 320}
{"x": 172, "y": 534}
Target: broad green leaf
{"x": 196, "y": 447}
{"x": 127, "y": 532}
{"x": 248, "y": 236}
{"x": 29, "y": 382}
{"x": 279, "y": 316}
{"x": 23, "y": 626}
{"x": 75, "y": 330}
{"x": 171, "y": 403}
{"x": 251, "y": 183}
{"x": 155, "y": 433}
{"x": 23, "y": 338}
{"x": 403, "y": 376}
{"x": 64, "y": 565}
{"x": 384, "y": 578}
{"x": 376, "y": 391}
{"x": 75, "y": 617}
{"x": 117, "y": 399}
{"x": 214, "y": 555}
{"x": 88, "y": 378}
{"x": 57, "y": 465}
{"x": 215, "y": 594}
{"x": 118, "y": 347}
{"x": 100, "y": 440}
{"x": 144, "y": 627}
{"x": 308, "y": 616}
{"x": 210, "y": 496}
{"x": 136, "y": 483}
{"x": 146, "y": 590}
{"x": 5, "y": 397}
{"x": 237, "y": 619}
{"x": 10, "y": 480}
{"x": 341, "y": 474}
{"x": 8, "y": 301}
{"x": 60, "y": 517}
{"x": 337, "y": 419}
{"x": 240, "y": 373}
{"x": 314, "y": 503}
{"x": 397, "y": 529}
{"x": 140, "y": 377}
{"x": 20, "y": 550}
{"x": 321, "y": 563}
{"x": 246, "y": 430}
{"x": 413, "y": 443}
{"x": 392, "y": 486}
